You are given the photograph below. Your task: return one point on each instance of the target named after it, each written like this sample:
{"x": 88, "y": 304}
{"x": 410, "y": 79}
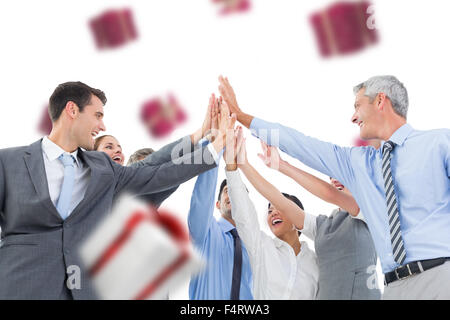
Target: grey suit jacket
{"x": 163, "y": 155}
{"x": 346, "y": 256}
{"x": 37, "y": 245}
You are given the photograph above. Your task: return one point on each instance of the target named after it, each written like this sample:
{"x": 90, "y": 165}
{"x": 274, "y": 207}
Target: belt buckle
{"x": 405, "y": 277}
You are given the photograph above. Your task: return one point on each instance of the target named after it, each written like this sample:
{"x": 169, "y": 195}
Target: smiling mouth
{"x": 276, "y": 221}
{"x": 117, "y": 159}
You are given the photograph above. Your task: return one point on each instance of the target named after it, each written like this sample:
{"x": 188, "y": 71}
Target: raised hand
{"x": 241, "y": 151}
{"x": 209, "y": 123}
{"x": 225, "y": 120}
{"x": 228, "y": 95}
{"x": 270, "y": 156}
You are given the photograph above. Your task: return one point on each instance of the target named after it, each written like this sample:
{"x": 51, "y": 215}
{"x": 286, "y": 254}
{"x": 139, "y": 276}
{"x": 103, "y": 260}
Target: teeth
{"x": 274, "y": 222}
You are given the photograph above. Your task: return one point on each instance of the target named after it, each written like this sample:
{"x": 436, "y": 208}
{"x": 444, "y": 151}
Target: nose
{"x": 355, "y": 118}
{"x": 102, "y": 126}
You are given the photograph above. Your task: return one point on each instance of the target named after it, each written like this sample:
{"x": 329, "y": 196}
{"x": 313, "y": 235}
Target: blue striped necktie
{"x": 398, "y": 247}
{"x": 65, "y": 196}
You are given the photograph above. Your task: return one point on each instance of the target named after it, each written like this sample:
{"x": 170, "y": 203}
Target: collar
{"x": 225, "y": 225}
{"x": 53, "y": 151}
{"x": 280, "y": 243}
{"x": 400, "y": 135}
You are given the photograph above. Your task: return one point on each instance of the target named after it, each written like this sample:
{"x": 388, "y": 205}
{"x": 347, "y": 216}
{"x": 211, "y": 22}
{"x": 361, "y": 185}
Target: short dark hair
{"x": 77, "y": 92}
{"x": 293, "y": 199}
{"x": 222, "y": 186}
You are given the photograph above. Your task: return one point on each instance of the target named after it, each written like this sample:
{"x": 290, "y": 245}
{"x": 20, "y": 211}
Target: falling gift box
{"x": 137, "y": 253}
{"x": 344, "y": 27}
{"x": 231, "y": 6}
{"x": 161, "y": 116}
{"x": 113, "y": 28}
{"x": 45, "y": 124}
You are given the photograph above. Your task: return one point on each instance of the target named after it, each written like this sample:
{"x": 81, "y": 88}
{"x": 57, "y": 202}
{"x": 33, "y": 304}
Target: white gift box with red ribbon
{"x": 137, "y": 253}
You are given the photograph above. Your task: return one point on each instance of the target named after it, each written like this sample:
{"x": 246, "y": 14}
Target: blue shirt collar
{"x": 225, "y": 225}
{"x": 400, "y": 135}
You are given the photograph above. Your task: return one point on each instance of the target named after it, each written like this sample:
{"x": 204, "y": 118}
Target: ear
{"x": 381, "y": 101}
{"x": 218, "y": 205}
{"x": 71, "y": 109}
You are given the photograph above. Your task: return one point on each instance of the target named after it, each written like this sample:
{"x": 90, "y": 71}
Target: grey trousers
{"x": 433, "y": 284}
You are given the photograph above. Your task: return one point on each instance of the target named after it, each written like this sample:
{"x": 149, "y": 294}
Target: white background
{"x": 270, "y": 56}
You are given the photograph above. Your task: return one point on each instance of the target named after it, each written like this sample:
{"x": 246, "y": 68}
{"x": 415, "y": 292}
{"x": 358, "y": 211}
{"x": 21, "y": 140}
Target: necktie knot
{"x": 388, "y": 146}
{"x": 67, "y": 160}
{"x": 234, "y": 233}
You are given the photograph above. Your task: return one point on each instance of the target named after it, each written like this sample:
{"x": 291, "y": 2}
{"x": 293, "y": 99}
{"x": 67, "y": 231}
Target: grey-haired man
{"x": 403, "y": 188}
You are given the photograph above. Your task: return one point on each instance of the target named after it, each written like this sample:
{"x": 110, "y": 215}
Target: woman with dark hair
{"x": 283, "y": 267}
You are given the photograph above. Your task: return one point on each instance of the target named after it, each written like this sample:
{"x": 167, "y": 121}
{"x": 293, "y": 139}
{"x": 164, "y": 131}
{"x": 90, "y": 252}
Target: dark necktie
{"x": 237, "y": 266}
{"x": 391, "y": 200}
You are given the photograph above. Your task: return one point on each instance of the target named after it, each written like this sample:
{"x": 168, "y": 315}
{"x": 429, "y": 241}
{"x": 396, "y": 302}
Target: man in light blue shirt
{"x": 214, "y": 240}
{"x": 404, "y": 192}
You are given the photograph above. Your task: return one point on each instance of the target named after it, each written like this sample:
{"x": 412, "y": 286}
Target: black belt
{"x": 411, "y": 269}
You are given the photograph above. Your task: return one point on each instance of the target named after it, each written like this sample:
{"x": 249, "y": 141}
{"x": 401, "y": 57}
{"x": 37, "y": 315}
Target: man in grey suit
{"x": 54, "y": 192}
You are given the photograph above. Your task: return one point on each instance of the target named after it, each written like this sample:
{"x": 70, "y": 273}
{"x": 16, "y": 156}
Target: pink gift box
{"x": 232, "y": 6}
{"x": 113, "y": 28}
{"x": 342, "y": 28}
{"x": 162, "y": 116}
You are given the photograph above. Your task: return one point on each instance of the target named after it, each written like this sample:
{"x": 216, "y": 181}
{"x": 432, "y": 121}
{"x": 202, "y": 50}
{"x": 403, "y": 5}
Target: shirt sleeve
{"x": 309, "y": 226}
{"x": 325, "y": 157}
{"x": 202, "y": 206}
{"x": 244, "y": 214}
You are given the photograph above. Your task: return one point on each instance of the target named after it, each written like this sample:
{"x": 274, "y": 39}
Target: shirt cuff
{"x": 360, "y": 216}
{"x": 203, "y": 142}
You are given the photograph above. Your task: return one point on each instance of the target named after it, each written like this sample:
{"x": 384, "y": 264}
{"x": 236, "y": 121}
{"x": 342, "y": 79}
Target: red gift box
{"x": 161, "y": 117}
{"x": 343, "y": 28}
{"x": 113, "y": 28}
{"x": 231, "y": 6}
{"x": 45, "y": 124}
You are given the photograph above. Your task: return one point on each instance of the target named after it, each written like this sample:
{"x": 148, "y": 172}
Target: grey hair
{"x": 391, "y": 87}
{"x": 139, "y": 155}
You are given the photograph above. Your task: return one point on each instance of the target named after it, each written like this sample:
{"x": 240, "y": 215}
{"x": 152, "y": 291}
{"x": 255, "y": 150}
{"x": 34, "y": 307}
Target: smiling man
{"x": 403, "y": 188}
{"x": 55, "y": 191}
{"x": 227, "y": 275}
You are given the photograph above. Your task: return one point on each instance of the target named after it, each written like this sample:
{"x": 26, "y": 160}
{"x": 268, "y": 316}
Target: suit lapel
{"x": 35, "y": 164}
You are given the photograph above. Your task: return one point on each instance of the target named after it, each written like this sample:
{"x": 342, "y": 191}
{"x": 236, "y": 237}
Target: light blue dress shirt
{"x": 421, "y": 171}
{"x": 215, "y": 244}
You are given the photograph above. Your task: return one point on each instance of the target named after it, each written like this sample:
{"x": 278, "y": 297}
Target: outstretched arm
{"x": 314, "y": 185}
{"x": 294, "y": 213}
{"x": 327, "y": 158}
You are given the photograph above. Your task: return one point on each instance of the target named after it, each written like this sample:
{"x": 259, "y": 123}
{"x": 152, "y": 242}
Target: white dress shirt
{"x": 310, "y": 224}
{"x": 54, "y": 169}
{"x": 277, "y": 272}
